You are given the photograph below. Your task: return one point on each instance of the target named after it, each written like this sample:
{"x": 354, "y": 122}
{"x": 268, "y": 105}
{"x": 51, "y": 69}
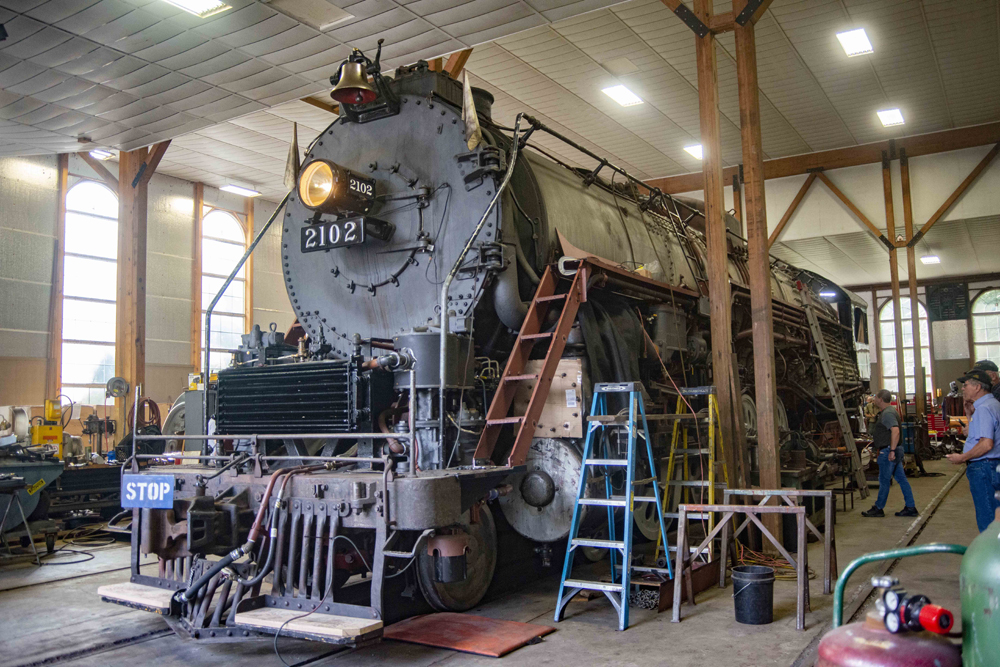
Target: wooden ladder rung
{"x": 536, "y": 336}
{"x": 547, "y": 299}
{"x": 505, "y": 420}
{"x": 519, "y": 378}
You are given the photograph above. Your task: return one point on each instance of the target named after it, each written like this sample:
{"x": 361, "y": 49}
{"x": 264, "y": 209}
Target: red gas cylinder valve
{"x": 935, "y": 618}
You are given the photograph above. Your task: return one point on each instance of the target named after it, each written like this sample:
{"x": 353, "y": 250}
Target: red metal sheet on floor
{"x": 469, "y": 634}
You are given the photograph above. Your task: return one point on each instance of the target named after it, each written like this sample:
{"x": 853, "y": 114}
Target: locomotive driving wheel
{"x": 481, "y": 561}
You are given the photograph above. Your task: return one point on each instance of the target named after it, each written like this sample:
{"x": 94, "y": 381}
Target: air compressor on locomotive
{"x": 411, "y": 250}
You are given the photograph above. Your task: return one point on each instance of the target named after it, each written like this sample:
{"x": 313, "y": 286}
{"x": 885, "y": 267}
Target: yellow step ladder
{"x": 679, "y": 445}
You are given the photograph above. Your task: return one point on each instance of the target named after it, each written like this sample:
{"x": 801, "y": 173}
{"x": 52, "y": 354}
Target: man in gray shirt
{"x": 887, "y": 435}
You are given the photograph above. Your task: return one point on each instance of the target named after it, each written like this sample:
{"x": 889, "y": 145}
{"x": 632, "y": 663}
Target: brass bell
{"x": 353, "y": 86}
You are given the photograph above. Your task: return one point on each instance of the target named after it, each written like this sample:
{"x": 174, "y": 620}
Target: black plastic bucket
{"x": 753, "y": 594}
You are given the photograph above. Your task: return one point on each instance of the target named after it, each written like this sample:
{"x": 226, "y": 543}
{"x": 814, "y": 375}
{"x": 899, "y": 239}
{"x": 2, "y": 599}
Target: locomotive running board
{"x": 138, "y": 596}
{"x": 531, "y": 332}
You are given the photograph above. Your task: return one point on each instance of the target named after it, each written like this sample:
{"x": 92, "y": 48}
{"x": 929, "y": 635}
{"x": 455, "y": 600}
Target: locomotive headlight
{"x": 316, "y": 184}
{"x": 330, "y": 188}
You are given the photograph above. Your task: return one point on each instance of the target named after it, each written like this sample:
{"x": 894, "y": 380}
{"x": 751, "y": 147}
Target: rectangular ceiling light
{"x": 200, "y": 8}
{"x": 855, "y": 42}
{"x": 930, "y": 259}
{"x": 696, "y": 151}
{"x": 622, "y": 95}
{"x": 320, "y": 14}
{"x": 890, "y": 117}
{"x": 828, "y": 295}
{"x": 101, "y": 154}
{"x": 239, "y": 190}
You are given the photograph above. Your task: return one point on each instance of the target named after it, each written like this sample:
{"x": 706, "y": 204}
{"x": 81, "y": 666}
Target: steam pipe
{"x": 443, "y": 350}
{"x": 215, "y": 301}
{"x": 192, "y": 591}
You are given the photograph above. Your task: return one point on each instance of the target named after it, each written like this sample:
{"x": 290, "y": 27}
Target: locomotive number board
{"x": 336, "y": 234}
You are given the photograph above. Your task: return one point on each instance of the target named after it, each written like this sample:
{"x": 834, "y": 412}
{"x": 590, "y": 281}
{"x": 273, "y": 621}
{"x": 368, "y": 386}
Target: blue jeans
{"x": 887, "y": 470}
{"x": 984, "y": 482}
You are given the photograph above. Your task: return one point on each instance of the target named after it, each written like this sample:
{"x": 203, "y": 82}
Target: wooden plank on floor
{"x": 321, "y": 625}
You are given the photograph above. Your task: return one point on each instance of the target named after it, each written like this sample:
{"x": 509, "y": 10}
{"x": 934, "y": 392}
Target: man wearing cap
{"x": 991, "y": 370}
{"x": 981, "y": 453}
{"x": 886, "y": 439}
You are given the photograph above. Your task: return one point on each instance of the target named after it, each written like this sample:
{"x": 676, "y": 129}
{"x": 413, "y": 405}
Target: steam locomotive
{"x": 336, "y": 464}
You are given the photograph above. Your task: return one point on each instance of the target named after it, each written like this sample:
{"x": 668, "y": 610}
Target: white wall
{"x": 28, "y": 213}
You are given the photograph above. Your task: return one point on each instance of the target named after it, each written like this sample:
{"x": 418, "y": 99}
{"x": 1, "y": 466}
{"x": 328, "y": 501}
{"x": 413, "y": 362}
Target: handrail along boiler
{"x": 342, "y": 467}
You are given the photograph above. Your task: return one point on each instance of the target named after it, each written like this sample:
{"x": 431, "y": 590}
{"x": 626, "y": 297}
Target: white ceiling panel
{"x": 125, "y": 73}
{"x": 156, "y": 69}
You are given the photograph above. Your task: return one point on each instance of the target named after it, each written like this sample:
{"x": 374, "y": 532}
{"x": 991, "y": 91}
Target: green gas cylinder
{"x": 980, "y": 584}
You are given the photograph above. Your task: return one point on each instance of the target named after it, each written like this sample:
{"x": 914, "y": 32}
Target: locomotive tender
{"x": 371, "y": 485}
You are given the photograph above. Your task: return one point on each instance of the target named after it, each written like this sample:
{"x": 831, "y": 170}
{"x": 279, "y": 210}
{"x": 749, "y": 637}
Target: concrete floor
{"x": 64, "y": 617}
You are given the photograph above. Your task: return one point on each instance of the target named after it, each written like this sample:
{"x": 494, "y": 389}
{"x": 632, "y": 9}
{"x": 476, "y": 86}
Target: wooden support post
{"x": 53, "y": 365}
{"x": 738, "y": 202}
{"x": 719, "y": 292}
{"x": 130, "y": 341}
{"x": 890, "y": 226}
{"x": 876, "y": 334}
{"x": 810, "y": 179}
{"x": 196, "y": 335}
{"x": 920, "y": 393}
{"x": 248, "y": 268}
{"x": 759, "y": 265}
{"x": 135, "y": 168}
{"x": 435, "y": 64}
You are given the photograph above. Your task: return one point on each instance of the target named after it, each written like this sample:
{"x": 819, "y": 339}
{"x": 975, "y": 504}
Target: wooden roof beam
{"x": 856, "y": 211}
{"x": 456, "y": 63}
{"x": 102, "y": 172}
{"x": 689, "y": 18}
{"x": 791, "y": 210}
{"x": 721, "y": 22}
{"x": 752, "y": 11}
{"x": 839, "y": 158}
{"x": 950, "y": 201}
{"x": 332, "y": 108}
{"x": 156, "y": 154}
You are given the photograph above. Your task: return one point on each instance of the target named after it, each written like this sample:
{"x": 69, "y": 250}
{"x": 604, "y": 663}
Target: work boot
{"x": 874, "y": 512}
{"x": 908, "y": 511}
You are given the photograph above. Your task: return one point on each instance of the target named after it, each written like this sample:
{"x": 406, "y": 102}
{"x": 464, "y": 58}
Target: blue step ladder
{"x": 597, "y": 457}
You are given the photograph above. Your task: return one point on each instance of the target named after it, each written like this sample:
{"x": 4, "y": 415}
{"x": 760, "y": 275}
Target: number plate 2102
{"x": 336, "y": 234}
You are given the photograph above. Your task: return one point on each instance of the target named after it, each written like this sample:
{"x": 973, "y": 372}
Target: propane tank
{"x": 870, "y": 644}
{"x": 980, "y": 588}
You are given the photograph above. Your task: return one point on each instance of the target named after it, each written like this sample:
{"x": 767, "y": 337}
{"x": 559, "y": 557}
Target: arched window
{"x": 90, "y": 272}
{"x": 887, "y": 332}
{"x": 223, "y": 243}
{"x": 986, "y": 325}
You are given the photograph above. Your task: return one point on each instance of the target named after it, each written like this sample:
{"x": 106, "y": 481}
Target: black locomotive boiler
{"x": 341, "y": 467}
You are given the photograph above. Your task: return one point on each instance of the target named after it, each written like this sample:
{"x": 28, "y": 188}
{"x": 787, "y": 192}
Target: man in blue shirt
{"x": 981, "y": 453}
